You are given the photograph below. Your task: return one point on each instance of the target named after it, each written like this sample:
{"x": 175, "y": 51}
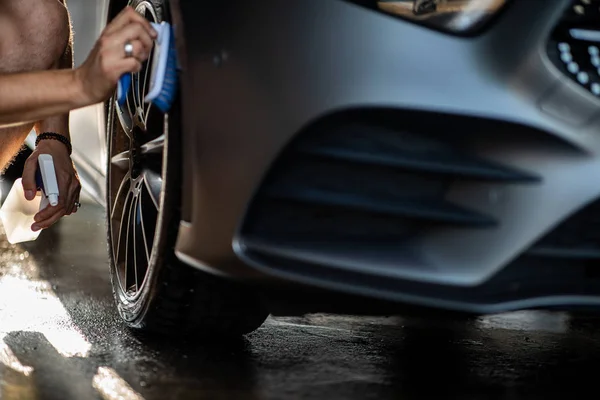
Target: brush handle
{"x": 123, "y": 88}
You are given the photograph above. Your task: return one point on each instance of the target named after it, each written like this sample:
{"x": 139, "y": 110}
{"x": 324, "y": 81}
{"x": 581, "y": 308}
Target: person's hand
{"x": 99, "y": 74}
{"x": 69, "y": 186}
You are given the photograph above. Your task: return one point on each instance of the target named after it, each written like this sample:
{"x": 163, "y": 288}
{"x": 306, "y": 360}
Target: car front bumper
{"x": 257, "y": 78}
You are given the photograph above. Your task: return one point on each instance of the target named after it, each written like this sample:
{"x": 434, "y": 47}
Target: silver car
{"x": 353, "y": 156}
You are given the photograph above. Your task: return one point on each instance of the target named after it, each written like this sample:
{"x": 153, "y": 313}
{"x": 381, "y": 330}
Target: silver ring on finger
{"x": 128, "y": 50}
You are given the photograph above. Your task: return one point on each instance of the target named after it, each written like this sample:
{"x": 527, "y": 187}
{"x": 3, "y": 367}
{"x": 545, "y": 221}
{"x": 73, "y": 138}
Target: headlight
{"x": 457, "y": 16}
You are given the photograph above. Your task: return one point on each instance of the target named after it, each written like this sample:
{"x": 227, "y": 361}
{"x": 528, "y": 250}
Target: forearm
{"x": 35, "y": 96}
{"x": 47, "y": 97}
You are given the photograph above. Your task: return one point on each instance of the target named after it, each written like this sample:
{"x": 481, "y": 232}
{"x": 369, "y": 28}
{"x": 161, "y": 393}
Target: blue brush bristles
{"x": 164, "y": 101}
{"x": 163, "y": 79}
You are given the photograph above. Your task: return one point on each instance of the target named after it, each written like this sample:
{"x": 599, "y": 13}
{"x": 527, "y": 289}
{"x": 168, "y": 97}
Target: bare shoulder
{"x": 8, "y": 7}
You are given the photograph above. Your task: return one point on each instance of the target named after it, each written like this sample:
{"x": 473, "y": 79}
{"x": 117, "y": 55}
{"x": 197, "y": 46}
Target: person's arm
{"x": 67, "y": 177}
{"x": 34, "y": 96}
{"x": 47, "y": 95}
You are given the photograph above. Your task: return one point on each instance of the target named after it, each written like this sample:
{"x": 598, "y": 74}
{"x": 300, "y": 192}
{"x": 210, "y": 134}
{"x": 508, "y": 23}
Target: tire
{"x": 143, "y": 182}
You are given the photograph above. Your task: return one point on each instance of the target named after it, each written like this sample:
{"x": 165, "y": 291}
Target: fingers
{"x": 66, "y": 206}
{"x": 74, "y": 198}
{"x": 49, "y": 215}
{"x": 113, "y": 45}
{"x": 75, "y": 208}
{"x": 128, "y": 65}
{"x": 53, "y": 213}
{"x": 132, "y": 33}
{"x": 128, "y": 17}
{"x": 69, "y": 190}
{"x": 108, "y": 60}
{"x": 28, "y": 177}
{"x": 113, "y": 49}
{"x": 69, "y": 201}
{"x": 139, "y": 51}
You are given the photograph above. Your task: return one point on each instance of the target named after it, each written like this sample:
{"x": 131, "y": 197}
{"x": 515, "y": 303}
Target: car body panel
{"x": 284, "y": 84}
{"x": 255, "y": 75}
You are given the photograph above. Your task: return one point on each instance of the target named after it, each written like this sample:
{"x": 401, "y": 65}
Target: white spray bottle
{"x": 17, "y": 212}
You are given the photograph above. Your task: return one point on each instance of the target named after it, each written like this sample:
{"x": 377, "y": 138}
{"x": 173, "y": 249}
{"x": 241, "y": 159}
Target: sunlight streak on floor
{"x": 30, "y": 305}
{"x": 112, "y": 387}
{"x": 544, "y": 321}
{"x": 8, "y": 358}
{"x": 33, "y": 306}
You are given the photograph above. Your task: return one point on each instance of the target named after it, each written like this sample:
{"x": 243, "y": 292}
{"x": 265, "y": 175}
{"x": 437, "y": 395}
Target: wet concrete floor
{"x": 61, "y": 339}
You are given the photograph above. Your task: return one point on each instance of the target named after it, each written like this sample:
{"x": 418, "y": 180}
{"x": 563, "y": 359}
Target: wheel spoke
{"x": 131, "y": 109}
{"x": 125, "y": 117}
{"x": 136, "y": 92}
{"x": 147, "y": 75}
{"x": 155, "y": 146}
{"x": 134, "y": 228}
{"x": 124, "y": 182}
{"x": 147, "y": 113}
{"x": 128, "y": 244}
{"x": 122, "y": 236}
{"x": 142, "y": 256}
{"x": 147, "y": 246}
{"x": 121, "y": 160}
{"x": 153, "y": 184}
{"x": 149, "y": 217}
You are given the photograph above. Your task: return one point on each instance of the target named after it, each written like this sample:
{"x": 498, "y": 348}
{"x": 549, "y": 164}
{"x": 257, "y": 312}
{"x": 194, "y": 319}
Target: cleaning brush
{"x": 123, "y": 88}
{"x": 163, "y": 76}
{"x": 163, "y": 79}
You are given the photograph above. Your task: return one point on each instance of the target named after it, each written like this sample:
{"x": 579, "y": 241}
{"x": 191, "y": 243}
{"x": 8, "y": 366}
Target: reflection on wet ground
{"x": 61, "y": 339}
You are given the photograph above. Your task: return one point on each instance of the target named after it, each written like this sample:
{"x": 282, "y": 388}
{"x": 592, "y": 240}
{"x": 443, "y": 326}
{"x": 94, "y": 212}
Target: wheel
{"x": 153, "y": 290}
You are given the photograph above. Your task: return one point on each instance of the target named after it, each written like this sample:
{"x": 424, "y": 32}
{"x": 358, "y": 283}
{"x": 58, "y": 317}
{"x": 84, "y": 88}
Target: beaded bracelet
{"x": 55, "y": 136}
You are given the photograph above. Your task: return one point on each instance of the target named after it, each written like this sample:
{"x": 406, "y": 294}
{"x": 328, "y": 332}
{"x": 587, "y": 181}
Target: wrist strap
{"x": 54, "y": 136}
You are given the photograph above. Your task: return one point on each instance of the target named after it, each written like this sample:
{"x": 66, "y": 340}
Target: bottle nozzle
{"x": 53, "y": 199}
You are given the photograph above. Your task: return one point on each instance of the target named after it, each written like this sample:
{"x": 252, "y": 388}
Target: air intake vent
{"x": 577, "y": 239}
{"x": 358, "y": 183}
{"x": 384, "y": 147}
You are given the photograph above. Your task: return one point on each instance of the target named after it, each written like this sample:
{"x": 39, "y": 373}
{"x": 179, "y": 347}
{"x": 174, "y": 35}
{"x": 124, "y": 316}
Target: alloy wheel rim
{"x": 136, "y": 163}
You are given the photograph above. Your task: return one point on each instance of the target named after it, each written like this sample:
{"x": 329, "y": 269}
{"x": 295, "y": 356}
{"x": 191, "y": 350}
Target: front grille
{"x": 356, "y": 182}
